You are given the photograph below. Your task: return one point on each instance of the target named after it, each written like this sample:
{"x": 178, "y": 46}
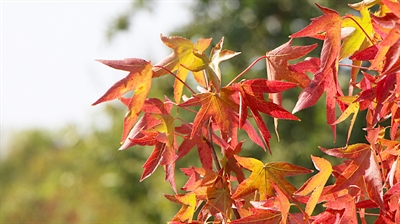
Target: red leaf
{"x": 153, "y": 161}
{"x": 343, "y": 203}
{"x": 330, "y": 23}
{"x": 260, "y": 216}
{"x": 252, "y": 96}
{"x": 278, "y": 68}
{"x": 363, "y": 164}
{"x": 219, "y": 107}
{"x": 368, "y": 53}
{"x": 277, "y": 63}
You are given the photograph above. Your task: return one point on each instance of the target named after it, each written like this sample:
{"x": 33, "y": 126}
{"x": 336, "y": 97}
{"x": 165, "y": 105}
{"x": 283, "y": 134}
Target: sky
{"x": 49, "y": 77}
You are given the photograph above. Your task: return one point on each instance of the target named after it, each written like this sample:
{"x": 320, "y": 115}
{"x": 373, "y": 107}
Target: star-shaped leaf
{"x": 363, "y": 165}
{"x": 219, "y": 107}
{"x": 263, "y": 174}
{"x": 188, "y": 202}
{"x": 211, "y": 64}
{"x": 182, "y": 55}
{"x": 139, "y": 79}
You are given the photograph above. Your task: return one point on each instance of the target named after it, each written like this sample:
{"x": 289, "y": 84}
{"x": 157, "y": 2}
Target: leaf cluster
{"x": 219, "y": 190}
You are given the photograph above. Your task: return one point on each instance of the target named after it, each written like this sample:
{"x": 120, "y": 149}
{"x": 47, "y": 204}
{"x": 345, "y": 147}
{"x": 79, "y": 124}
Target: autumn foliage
{"x": 220, "y": 191}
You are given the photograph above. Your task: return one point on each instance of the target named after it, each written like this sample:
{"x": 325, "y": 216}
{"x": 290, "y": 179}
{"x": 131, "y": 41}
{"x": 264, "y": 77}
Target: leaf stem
{"x": 210, "y": 143}
{"x": 247, "y": 69}
{"x": 369, "y": 38}
{"x": 354, "y": 66}
{"x": 184, "y": 83}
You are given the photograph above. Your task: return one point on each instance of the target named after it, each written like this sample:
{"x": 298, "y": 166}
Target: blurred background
{"x": 59, "y": 158}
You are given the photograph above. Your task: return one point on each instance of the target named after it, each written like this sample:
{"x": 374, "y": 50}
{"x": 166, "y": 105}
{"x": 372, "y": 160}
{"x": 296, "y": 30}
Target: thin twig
{"x": 354, "y": 66}
{"x": 247, "y": 69}
{"x": 210, "y": 143}
{"x": 184, "y": 83}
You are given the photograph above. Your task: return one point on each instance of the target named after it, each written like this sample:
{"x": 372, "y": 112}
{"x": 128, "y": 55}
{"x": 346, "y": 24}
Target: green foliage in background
{"x": 67, "y": 177}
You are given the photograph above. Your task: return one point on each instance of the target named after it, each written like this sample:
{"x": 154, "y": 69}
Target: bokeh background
{"x": 59, "y": 158}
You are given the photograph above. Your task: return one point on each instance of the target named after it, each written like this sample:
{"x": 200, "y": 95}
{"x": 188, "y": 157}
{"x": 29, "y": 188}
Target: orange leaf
{"x": 219, "y": 107}
{"x": 138, "y": 70}
{"x": 263, "y": 174}
{"x": 315, "y": 183}
{"x": 136, "y": 103}
{"x": 188, "y": 202}
{"x": 139, "y": 79}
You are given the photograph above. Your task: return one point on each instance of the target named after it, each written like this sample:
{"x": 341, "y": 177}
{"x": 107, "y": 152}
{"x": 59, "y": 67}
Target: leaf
{"x": 199, "y": 178}
{"x": 260, "y": 216}
{"x": 353, "y": 108}
{"x": 253, "y": 90}
{"x": 149, "y": 130}
{"x": 368, "y": 53}
{"x": 219, "y": 107}
{"x": 218, "y": 55}
{"x": 330, "y": 25}
{"x": 277, "y": 63}
{"x": 211, "y": 65}
{"x": 363, "y": 165}
{"x": 284, "y": 204}
{"x": 251, "y": 94}
{"x": 262, "y": 175}
{"x": 340, "y": 210}
{"x": 393, "y": 6}
{"x": 219, "y": 202}
{"x": 182, "y": 55}
{"x": 325, "y": 81}
{"x": 315, "y": 183}
{"x": 391, "y": 40}
{"x": 188, "y": 202}
{"x": 153, "y": 161}
{"x": 277, "y": 68}
{"x": 188, "y": 143}
{"x": 353, "y": 42}
{"x": 139, "y": 80}
{"x": 137, "y": 68}
{"x": 230, "y": 163}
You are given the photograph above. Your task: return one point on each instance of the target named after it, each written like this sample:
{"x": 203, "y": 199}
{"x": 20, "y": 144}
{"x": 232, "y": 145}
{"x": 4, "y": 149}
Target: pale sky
{"x": 48, "y": 74}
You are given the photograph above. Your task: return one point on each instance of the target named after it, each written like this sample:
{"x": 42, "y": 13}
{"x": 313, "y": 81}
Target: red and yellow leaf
{"x": 219, "y": 107}
{"x": 188, "y": 202}
{"x": 263, "y": 174}
{"x": 182, "y": 55}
